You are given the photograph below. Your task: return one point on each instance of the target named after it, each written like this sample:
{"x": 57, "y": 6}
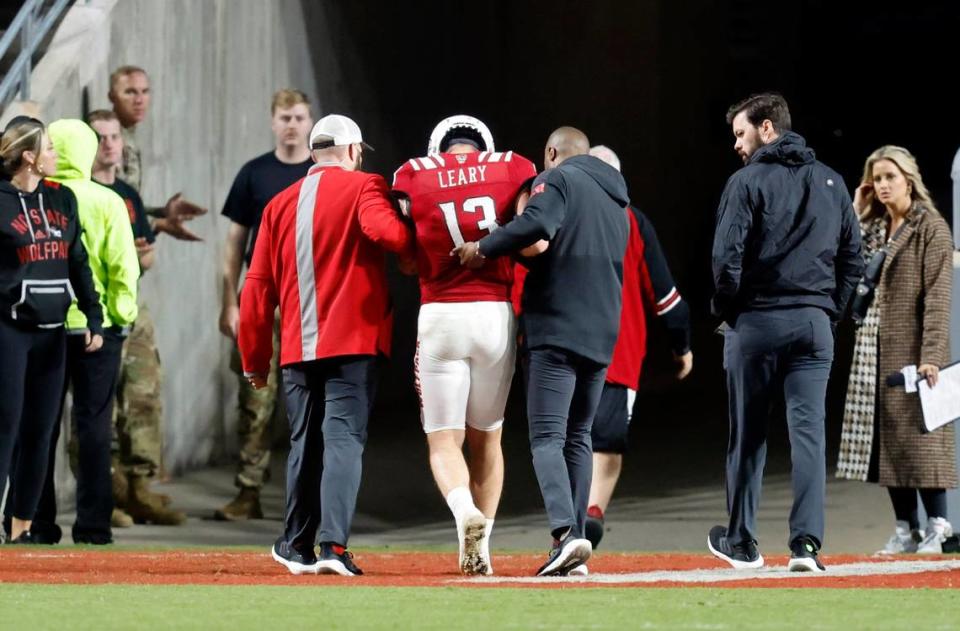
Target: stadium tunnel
{"x": 650, "y": 79}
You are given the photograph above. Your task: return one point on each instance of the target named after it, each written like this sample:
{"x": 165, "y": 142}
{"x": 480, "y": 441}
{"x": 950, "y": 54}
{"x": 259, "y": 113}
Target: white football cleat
{"x": 471, "y": 531}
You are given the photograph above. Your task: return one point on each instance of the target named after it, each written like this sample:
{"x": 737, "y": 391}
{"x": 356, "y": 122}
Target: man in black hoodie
{"x": 786, "y": 259}
{"x": 575, "y": 220}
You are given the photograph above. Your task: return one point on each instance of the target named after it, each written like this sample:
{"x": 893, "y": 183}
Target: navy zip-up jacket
{"x": 787, "y": 234}
{"x": 573, "y": 293}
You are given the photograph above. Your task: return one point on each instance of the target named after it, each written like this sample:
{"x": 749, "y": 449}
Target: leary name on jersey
{"x": 456, "y": 198}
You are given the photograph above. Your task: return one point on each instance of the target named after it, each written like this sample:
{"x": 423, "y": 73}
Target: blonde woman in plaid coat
{"x": 883, "y": 440}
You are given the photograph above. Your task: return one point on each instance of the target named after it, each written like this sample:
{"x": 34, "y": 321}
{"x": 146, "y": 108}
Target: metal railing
{"x": 32, "y": 27}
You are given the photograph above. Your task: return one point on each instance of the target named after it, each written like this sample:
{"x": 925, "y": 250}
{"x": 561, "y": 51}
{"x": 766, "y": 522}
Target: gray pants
{"x": 563, "y": 391}
{"x": 328, "y": 405}
{"x": 769, "y": 353}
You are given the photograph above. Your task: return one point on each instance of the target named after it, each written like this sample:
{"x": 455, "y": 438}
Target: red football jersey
{"x": 456, "y": 198}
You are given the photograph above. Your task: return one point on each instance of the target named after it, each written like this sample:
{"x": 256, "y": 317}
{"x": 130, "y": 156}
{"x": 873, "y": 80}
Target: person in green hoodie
{"x": 112, "y": 254}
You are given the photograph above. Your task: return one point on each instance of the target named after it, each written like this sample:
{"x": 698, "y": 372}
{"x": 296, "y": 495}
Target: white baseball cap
{"x": 334, "y": 130}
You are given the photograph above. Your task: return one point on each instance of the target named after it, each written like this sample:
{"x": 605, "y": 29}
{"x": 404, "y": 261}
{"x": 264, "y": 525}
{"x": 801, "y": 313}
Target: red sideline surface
{"x": 400, "y": 569}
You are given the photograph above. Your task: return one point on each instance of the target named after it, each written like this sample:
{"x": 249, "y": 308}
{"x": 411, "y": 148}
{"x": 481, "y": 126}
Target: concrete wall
{"x": 214, "y": 65}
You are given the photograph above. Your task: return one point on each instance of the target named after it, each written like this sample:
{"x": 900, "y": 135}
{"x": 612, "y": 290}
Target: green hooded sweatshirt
{"x": 107, "y": 234}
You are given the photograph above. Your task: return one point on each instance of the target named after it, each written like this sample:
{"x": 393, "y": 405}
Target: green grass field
{"x": 40, "y": 607}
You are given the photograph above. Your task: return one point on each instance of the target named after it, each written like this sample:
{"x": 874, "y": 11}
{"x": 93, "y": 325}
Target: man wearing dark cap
{"x": 576, "y": 220}
{"x": 319, "y": 256}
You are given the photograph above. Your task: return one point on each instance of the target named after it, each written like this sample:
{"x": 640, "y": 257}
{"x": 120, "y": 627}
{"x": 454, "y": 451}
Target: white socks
{"x": 460, "y": 502}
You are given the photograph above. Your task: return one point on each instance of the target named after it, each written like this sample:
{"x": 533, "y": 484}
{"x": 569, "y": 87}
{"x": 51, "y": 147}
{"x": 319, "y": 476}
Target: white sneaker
{"x": 471, "y": 531}
{"x": 938, "y": 529}
{"x": 903, "y": 540}
{"x": 580, "y": 570}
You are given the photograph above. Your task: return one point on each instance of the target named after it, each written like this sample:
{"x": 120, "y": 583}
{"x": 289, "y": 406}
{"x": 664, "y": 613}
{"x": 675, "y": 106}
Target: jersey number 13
{"x": 484, "y": 204}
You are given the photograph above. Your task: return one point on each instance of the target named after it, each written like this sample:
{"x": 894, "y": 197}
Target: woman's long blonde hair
{"x": 908, "y": 166}
{"x": 22, "y": 135}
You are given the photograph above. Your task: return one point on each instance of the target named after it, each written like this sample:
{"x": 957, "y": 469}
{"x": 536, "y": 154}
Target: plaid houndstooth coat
{"x": 914, "y": 320}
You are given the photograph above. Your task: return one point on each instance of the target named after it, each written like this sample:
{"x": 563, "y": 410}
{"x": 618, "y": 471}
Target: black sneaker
{"x": 336, "y": 559}
{"x": 88, "y": 536}
{"x": 44, "y": 532}
{"x": 593, "y": 527}
{"x": 804, "y": 556}
{"x": 566, "y": 554}
{"x": 26, "y": 538}
{"x": 742, "y": 556}
{"x": 297, "y": 562}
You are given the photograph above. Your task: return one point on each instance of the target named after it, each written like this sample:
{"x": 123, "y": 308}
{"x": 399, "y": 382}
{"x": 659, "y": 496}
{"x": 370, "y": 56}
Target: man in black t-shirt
{"x": 138, "y": 413}
{"x": 258, "y": 181}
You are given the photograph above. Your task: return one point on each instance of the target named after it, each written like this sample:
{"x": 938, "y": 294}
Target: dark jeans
{"x": 32, "y": 370}
{"x": 328, "y": 406}
{"x": 563, "y": 391}
{"x": 93, "y": 377}
{"x": 769, "y": 353}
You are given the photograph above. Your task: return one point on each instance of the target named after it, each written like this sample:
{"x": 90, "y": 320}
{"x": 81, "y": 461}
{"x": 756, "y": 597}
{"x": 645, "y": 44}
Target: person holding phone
{"x": 907, "y": 322}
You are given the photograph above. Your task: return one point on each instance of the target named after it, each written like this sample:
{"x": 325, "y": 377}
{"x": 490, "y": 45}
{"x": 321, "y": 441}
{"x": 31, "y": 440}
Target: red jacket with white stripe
{"x": 319, "y": 255}
{"x": 648, "y": 288}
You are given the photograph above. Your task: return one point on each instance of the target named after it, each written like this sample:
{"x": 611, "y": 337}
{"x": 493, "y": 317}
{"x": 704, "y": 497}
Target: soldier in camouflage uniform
{"x": 255, "y": 185}
{"x": 139, "y": 412}
{"x": 257, "y": 409}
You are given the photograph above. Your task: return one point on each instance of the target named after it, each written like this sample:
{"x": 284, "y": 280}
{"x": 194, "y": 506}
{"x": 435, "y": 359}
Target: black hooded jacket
{"x": 43, "y": 263}
{"x": 787, "y": 234}
{"x": 573, "y": 294}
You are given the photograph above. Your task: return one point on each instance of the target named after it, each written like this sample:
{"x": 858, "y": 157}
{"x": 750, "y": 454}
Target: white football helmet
{"x": 446, "y": 129}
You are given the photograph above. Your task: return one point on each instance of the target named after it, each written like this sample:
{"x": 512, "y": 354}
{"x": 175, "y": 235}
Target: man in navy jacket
{"x": 786, "y": 259}
{"x": 571, "y": 302}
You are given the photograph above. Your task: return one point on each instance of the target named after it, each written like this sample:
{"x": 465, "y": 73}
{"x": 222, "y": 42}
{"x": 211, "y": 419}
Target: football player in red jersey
{"x": 466, "y": 334}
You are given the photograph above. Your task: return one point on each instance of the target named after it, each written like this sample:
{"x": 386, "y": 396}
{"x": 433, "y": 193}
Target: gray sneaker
{"x": 903, "y": 540}
{"x": 938, "y": 529}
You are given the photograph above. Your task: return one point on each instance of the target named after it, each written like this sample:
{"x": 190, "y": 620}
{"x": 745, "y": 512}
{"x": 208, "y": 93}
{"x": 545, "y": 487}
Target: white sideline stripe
{"x": 723, "y": 575}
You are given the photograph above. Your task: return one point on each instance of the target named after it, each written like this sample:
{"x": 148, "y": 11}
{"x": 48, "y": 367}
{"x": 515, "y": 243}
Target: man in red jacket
{"x": 320, "y": 257}
{"x": 648, "y": 290}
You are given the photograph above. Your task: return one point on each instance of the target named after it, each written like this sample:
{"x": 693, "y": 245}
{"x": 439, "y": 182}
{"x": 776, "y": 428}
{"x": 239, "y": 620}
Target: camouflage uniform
{"x": 138, "y": 412}
{"x": 139, "y": 415}
{"x": 257, "y": 409}
{"x": 129, "y": 170}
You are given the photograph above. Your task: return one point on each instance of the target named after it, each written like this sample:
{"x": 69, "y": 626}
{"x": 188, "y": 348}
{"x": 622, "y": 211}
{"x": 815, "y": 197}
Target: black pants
{"x": 32, "y": 372}
{"x": 563, "y": 392}
{"x": 94, "y": 380}
{"x": 904, "y": 502}
{"x": 328, "y": 406}
{"x": 769, "y": 352}
{"x": 611, "y": 425}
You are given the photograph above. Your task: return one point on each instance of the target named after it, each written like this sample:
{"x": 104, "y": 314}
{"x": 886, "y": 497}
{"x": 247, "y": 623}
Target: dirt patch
{"x": 429, "y": 569}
